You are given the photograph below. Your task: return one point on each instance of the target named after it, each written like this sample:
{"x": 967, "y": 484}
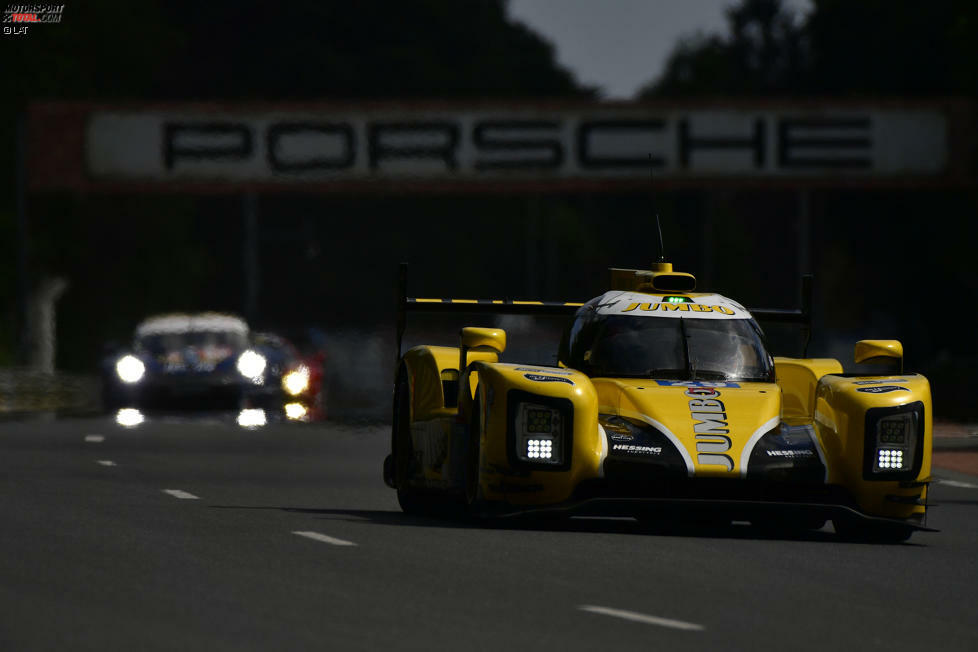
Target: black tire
{"x": 411, "y": 503}
{"x": 850, "y": 529}
{"x": 410, "y": 500}
{"x": 473, "y": 499}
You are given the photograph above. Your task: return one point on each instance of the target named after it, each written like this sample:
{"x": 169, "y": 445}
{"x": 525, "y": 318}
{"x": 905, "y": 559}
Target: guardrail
{"x": 27, "y": 390}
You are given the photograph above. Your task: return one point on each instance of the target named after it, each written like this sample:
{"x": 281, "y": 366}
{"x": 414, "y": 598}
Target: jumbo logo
{"x": 710, "y": 426}
{"x": 678, "y": 307}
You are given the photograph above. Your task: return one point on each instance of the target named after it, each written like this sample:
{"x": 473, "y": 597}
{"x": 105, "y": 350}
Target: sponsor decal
{"x": 710, "y": 427}
{"x": 634, "y": 448}
{"x": 678, "y": 307}
{"x": 548, "y": 379}
{"x": 791, "y": 453}
{"x": 882, "y": 389}
{"x": 544, "y": 371}
{"x": 694, "y": 383}
{"x": 879, "y": 382}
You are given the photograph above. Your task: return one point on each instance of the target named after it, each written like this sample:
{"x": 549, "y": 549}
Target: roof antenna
{"x": 658, "y": 225}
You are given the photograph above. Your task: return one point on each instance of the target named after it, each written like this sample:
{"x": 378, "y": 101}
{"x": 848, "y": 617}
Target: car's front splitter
{"x": 687, "y": 508}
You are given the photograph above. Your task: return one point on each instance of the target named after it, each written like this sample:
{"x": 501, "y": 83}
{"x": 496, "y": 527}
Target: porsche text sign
{"x": 561, "y": 147}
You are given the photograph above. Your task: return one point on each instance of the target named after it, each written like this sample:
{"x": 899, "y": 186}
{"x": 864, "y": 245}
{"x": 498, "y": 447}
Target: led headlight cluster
{"x": 539, "y": 429}
{"x": 890, "y": 459}
{"x": 893, "y": 441}
{"x": 542, "y": 449}
{"x": 894, "y": 435}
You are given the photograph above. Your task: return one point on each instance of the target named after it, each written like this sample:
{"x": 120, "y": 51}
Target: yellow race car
{"x": 665, "y": 404}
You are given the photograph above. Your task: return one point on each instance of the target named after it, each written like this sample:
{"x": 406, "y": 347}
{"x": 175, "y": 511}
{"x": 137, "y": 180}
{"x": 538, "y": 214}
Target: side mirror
{"x": 879, "y": 352}
{"x": 480, "y": 339}
{"x": 484, "y": 339}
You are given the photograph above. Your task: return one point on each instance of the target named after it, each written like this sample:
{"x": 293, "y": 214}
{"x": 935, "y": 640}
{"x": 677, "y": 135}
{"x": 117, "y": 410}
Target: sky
{"x": 620, "y": 45}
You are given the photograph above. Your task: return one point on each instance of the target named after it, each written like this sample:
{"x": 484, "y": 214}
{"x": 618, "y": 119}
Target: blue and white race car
{"x": 205, "y": 360}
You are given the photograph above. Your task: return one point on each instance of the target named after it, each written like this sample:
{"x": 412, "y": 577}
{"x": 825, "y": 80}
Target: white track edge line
{"x": 642, "y": 618}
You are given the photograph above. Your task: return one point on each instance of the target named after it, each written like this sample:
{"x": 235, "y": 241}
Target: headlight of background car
{"x": 894, "y": 437}
{"x": 130, "y": 369}
{"x": 539, "y": 430}
{"x": 251, "y": 364}
{"x": 296, "y": 381}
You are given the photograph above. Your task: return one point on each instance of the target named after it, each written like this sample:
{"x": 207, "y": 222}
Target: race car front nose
{"x": 787, "y": 454}
{"x": 638, "y": 453}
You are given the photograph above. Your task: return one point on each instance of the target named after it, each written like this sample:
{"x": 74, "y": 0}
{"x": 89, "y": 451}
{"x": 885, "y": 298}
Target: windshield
{"x": 161, "y": 343}
{"x": 675, "y": 349}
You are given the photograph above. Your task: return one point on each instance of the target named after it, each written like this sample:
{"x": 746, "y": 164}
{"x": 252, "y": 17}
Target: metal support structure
{"x": 250, "y": 255}
{"x": 803, "y": 253}
{"x": 22, "y": 345}
{"x": 532, "y": 248}
{"x": 401, "y": 308}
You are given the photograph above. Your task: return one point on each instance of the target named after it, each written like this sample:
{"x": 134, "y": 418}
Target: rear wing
{"x": 406, "y": 304}
{"x": 802, "y": 317}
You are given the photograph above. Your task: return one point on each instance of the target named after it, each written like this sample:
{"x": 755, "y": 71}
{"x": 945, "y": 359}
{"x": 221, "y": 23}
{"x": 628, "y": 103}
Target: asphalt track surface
{"x": 185, "y": 534}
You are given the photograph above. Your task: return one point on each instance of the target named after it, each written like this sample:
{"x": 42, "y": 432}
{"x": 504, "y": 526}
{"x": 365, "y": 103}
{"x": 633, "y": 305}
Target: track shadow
{"x": 576, "y": 524}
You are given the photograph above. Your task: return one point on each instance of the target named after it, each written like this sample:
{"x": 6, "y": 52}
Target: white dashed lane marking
{"x": 959, "y": 485}
{"x": 642, "y": 618}
{"x": 106, "y": 462}
{"x": 316, "y": 536}
{"x": 183, "y": 495}
{"x": 94, "y": 439}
